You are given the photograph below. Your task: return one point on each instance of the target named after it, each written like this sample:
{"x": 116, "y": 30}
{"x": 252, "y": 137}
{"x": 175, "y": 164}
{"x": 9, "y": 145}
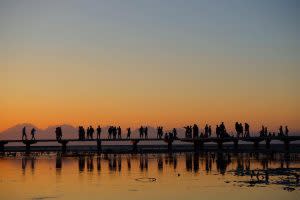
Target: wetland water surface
{"x": 150, "y": 176}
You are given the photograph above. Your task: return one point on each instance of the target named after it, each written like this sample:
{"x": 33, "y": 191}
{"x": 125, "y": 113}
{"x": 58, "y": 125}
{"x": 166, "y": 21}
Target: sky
{"x": 135, "y": 62}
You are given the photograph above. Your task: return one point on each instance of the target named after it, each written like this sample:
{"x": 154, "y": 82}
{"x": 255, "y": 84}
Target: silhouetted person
{"x": 174, "y": 133}
{"x": 209, "y": 131}
{"x": 88, "y": 132}
{"x": 114, "y": 131}
{"x": 266, "y": 132}
{"x": 247, "y": 130}
{"x": 119, "y": 132}
{"x": 237, "y": 129}
{"x": 109, "y": 132}
{"x": 146, "y": 132}
{"x": 141, "y": 130}
{"x": 218, "y": 131}
{"x": 91, "y": 132}
{"x": 206, "y": 131}
{"x": 262, "y": 131}
{"x": 24, "y": 135}
{"x": 286, "y": 131}
{"x": 128, "y": 133}
{"x": 222, "y": 130}
{"x": 281, "y": 131}
{"x": 160, "y": 132}
{"x": 195, "y": 131}
{"x": 33, "y": 133}
{"x": 98, "y": 132}
{"x": 242, "y": 129}
{"x": 58, "y": 133}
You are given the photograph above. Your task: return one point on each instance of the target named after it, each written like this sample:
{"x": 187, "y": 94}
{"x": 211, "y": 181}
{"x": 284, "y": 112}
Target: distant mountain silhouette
{"x": 69, "y": 132}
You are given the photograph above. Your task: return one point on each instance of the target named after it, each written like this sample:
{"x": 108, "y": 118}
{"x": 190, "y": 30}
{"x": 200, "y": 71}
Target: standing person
{"x": 237, "y": 129}
{"x": 247, "y": 130}
{"x": 128, "y": 133}
{"x": 119, "y": 132}
{"x": 266, "y": 132}
{"x": 32, "y": 133}
{"x": 83, "y": 133}
{"x": 286, "y": 131}
{"x": 87, "y": 132}
{"x": 58, "y": 133}
{"x": 175, "y": 133}
{"x": 217, "y": 131}
{"x": 79, "y": 133}
{"x": 114, "y": 132}
{"x": 209, "y": 131}
{"x": 24, "y": 135}
{"x": 242, "y": 129}
{"x": 195, "y": 131}
{"x": 109, "y": 132}
{"x": 99, "y": 132}
{"x": 206, "y": 131}
{"x": 141, "y": 130}
{"x": 158, "y": 132}
{"x": 146, "y": 132}
{"x": 91, "y": 132}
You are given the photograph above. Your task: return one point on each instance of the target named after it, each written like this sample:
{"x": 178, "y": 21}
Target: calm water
{"x": 150, "y": 176}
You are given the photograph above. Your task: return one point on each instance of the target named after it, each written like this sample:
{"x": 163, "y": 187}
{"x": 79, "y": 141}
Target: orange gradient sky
{"x": 149, "y": 62}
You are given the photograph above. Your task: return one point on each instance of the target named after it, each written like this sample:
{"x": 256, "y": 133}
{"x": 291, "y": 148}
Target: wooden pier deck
{"x": 197, "y": 142}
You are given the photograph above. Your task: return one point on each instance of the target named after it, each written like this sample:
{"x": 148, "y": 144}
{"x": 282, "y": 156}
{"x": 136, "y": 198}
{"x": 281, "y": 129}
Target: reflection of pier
{"x": 197, "y": 142}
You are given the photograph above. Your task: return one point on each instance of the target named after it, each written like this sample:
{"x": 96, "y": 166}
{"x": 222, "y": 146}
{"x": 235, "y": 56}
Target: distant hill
{"x": 69, "y": 132}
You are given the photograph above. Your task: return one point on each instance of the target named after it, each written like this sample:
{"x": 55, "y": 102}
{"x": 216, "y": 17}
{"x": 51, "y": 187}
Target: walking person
{"x": 128, "y": 133}
{"x": 33, "y": 133}
{"x": 24, "y": 135}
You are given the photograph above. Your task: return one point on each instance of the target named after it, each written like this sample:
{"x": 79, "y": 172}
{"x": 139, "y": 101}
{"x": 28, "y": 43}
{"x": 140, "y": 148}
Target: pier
{"x": 198, "y": 143}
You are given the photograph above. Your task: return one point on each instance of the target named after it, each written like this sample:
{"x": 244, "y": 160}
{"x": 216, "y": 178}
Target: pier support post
{"x": 2, "y": 146}
{"x": 256, "y": 144}
{"x": 134, "y": 145}
{"x": 268, "y": 145}
{"x": 198, "y": 145}
{"x": 170, "y": 146}
{"x": 28, "y": 143}
{"x": 63, "y": 145}
{"x": 99, "y": 146}
{"x": 220, "y": 144}
{"x": 287, "y": 145}
{"x": 27, "y": 147}
{"x": 236, "y": 144}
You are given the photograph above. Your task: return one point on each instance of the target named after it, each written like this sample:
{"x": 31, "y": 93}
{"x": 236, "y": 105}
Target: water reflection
{"x": 256, "y": 168}
{"x": 28, "y": 160}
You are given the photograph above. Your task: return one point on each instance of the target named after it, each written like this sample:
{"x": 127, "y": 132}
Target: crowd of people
{"x": 24, "y": 134}
{"x": 221, "y": 131}
{"x": 240, "y": 131}
{"x": 264, "y": 132}
{"x": 190, "y": 132}
{"x": 143, "y": 132}
{"x": 114, "y": 132}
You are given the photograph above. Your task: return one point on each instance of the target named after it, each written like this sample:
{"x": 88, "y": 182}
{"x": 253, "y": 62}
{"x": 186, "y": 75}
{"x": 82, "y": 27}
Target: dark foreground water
{"x": 150, "y": 176}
